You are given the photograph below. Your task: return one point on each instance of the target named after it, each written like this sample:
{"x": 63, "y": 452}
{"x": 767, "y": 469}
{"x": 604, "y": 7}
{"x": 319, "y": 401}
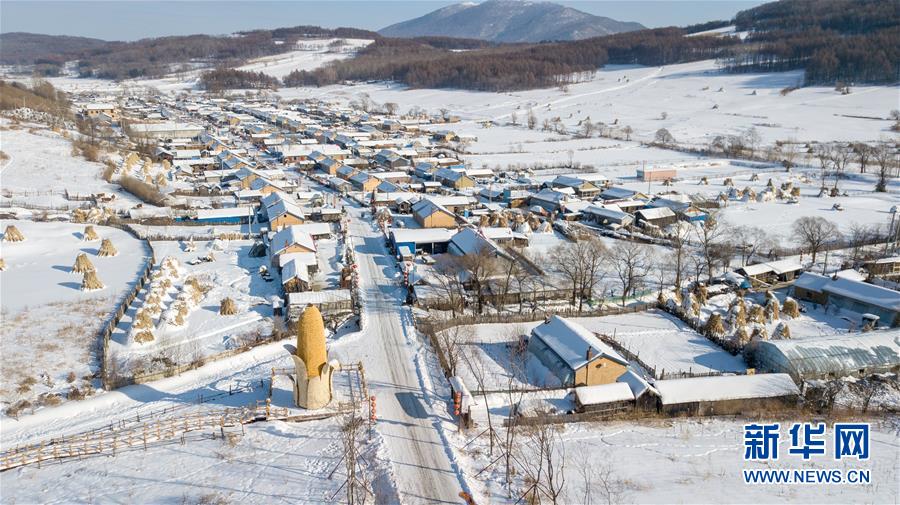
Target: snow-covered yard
{"x": 682, "y": 461}
{"x": 41, "y": 168}
{"x": 664, "y": 342}
{"x": 310, "y": 54}
{"x": 49, "y": 324}
{"x": 233, "y": 274}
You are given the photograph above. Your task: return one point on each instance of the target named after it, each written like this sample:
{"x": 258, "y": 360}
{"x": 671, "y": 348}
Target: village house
{"x": 453, "y": 178}
{"x": 862, "y": 298}
{"x": 284, "y": 213}
{"x": 609, "y": 216}
{"x": 583, "y": 189}
{"x": 433, "y": 215}
{"x": 726, "y": 395}
{"x": 573, "y": 354}
{"x": 647, "y": 174}
{"x": 659, "y": 216}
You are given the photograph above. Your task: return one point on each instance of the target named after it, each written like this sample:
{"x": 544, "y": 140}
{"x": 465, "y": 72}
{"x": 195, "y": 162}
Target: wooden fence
{"x": 107, "y": 330}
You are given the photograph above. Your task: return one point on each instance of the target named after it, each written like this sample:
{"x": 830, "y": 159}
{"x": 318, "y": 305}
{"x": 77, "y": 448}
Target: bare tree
{"x": 391, "y": 108}
{"x": 452, "y": 341}
{"x": 587, "y": 128}
{"x": 532, "y": 119}
{"x": 751, "y": 139}
{"x": 708, "y": 235}
{"x": 863, "y": 154}
{"x": 479, "y": 266}
{"x": 448, "y": 283}
{"x": 859, "y": 236}
{"x": 627, "y": 131}
{"x": 631, "y": 262}
{"x": 546, "y": 469}
{"x": 750, "y": 241}
{"x": 664, "y": 137}
{"x": 789, "y": 153}
{"x": 580, "y": 263}
{"x": 514, "y": 118}
{"x": 823, "y": 154}
{"x": 840, "y": 157}
{"x": 814, "y": 232}
{"x": 885, "y": 156}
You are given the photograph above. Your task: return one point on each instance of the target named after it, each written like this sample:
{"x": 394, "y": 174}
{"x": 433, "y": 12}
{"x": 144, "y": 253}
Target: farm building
{"x": 573, "y": 354}
{"x": 844, "y": 355}
{"x": 432, "y": 215}
{"x": 852, "y": 295}
{"x": 431, "y": 240}
{"x": 647, "y": 174}
{"x": 607, "y": 215}
{"x": 232, "y": 215}
{"x": 775, "y": 271}
{"x": 332, "y": 301}
{"x": 604, "y": 398}
{"x": 726, "y": 395}
{"x": 657, "y": 216}
{"x": 582, "y": 188}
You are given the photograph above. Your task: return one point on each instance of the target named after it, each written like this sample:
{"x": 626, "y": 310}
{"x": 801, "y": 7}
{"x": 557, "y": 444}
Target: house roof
{"x": 655, "y": 213}
{"x": 283, "y": 207}
{"x": 469, "y": 241}
{"x": 289, "y": 236}
{"x": 317, "y": 297}
{"x": 603, "y": 393}
{"x": 846, "y": 352}
{"x": 865, "y": 293}
{"x": 726, "y": 387}
{"x": 570, "y": 341}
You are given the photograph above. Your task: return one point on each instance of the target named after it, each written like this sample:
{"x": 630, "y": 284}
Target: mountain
{"x": 509, "y": 21}
{"x": 25, "y": 48}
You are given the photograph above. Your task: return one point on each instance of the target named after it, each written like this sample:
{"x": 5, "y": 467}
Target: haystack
{"x": 90, "y": 234}
{"x": 144, "y": 337}
{"x": 790, "y": 307}
{"x": 757, "y": 314}
{"x": 2, "y": 265}
{"x": 82, "y": 264}
{"x": 107, "y": 248}
{"x": 161, "y": 180}
{"x": 772, "y": 310}
{"x": 741, "y": 336}
{"x": 782, "y": 331}
{"x": 90, "y": 282}
{"x": 228, "y": 307}
{"x": 714, "y": 326}
{"x": 142, "y": 319}
{"x": 760, "y": 333}
{"x": 12, "y": 234}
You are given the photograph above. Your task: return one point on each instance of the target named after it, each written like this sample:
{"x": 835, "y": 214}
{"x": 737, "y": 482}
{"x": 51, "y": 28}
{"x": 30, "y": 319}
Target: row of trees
{"x": 229, "y": 78}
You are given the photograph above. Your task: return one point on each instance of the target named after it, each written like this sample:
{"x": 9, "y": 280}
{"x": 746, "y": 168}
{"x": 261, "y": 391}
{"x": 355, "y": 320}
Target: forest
{"x": 228, "y": 78}
{"x": 847, "y": 41}
{"x": 155, "y": 57}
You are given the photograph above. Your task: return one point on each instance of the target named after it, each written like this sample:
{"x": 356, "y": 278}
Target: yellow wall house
{"x": 283, "y": 214}
{"x": 575, "y": 355}
{"x": 290, "y": 240}
{"x": 431, "y": 215}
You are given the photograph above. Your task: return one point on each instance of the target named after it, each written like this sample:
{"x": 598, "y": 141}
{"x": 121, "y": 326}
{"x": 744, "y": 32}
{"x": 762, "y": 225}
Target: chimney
{"x": 590, "y": 353}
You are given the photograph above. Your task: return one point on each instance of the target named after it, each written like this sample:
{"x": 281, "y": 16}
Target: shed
{"x": 573, "y": 354}
{"x": 726, "y": 395}
{"x": 849, "y": 354}
{"x": 613, "y": 397}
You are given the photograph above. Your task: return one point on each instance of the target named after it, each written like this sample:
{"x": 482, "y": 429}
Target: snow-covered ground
{"x": 682, "y": 461}
{"x": 687, "y": 93}
{"x": 41, "y": 168}
{"x": 310, "y": 54}
{"x": 49, "y": 325}
{"x": 233, "y": 274}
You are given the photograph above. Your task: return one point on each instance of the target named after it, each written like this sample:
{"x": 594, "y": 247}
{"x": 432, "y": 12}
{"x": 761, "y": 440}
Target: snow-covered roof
{"x": 302, "y": 258}
{"x": 422, "y": 235}
{"x": 469, "y": 241}
{"x": 317, "y": 297}
{"x": 638, "y": 384}
{"x": 726, "y": 387}
{"x": 655, "y": 213}
{"x": 810, "y": 281}
{"x": 224, "y": 213}
{"x": 289, "y": 236}
{"x": 293, "y": 269}
{"x": 866, "y": 293}
{"x": 842, "y": 354}
{"x": 603, "y": 393}
{"x": 571, "y": 341}
{"x": 282, "y": 207}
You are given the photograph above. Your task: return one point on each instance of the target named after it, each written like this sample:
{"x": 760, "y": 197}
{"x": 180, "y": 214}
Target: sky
{"x": 134, "y": 19}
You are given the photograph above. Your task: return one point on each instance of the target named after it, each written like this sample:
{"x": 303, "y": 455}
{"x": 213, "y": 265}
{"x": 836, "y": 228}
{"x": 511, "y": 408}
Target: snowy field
{"x": 41, "y": 168}
{"x": 233, "y": 274}
{"x": 310, "y": 55}
{"x": 685, "y": 461}
{"x": 664, "y": 342}
{"x": 269, "y": 462}
{"x": 686, "y": 92}
{"x": 49, "y": 324}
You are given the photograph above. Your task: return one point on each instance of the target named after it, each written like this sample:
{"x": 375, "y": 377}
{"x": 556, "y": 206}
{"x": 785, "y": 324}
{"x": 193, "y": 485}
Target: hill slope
{"x": 509, "y": 21}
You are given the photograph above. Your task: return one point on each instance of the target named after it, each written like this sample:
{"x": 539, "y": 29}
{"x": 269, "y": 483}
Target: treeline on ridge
{"x": 419, "y": 63}
{"x": 229, "y": 78}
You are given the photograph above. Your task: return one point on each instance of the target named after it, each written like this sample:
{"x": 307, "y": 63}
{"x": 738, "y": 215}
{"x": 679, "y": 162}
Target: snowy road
{"x": 397, "y": 376}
